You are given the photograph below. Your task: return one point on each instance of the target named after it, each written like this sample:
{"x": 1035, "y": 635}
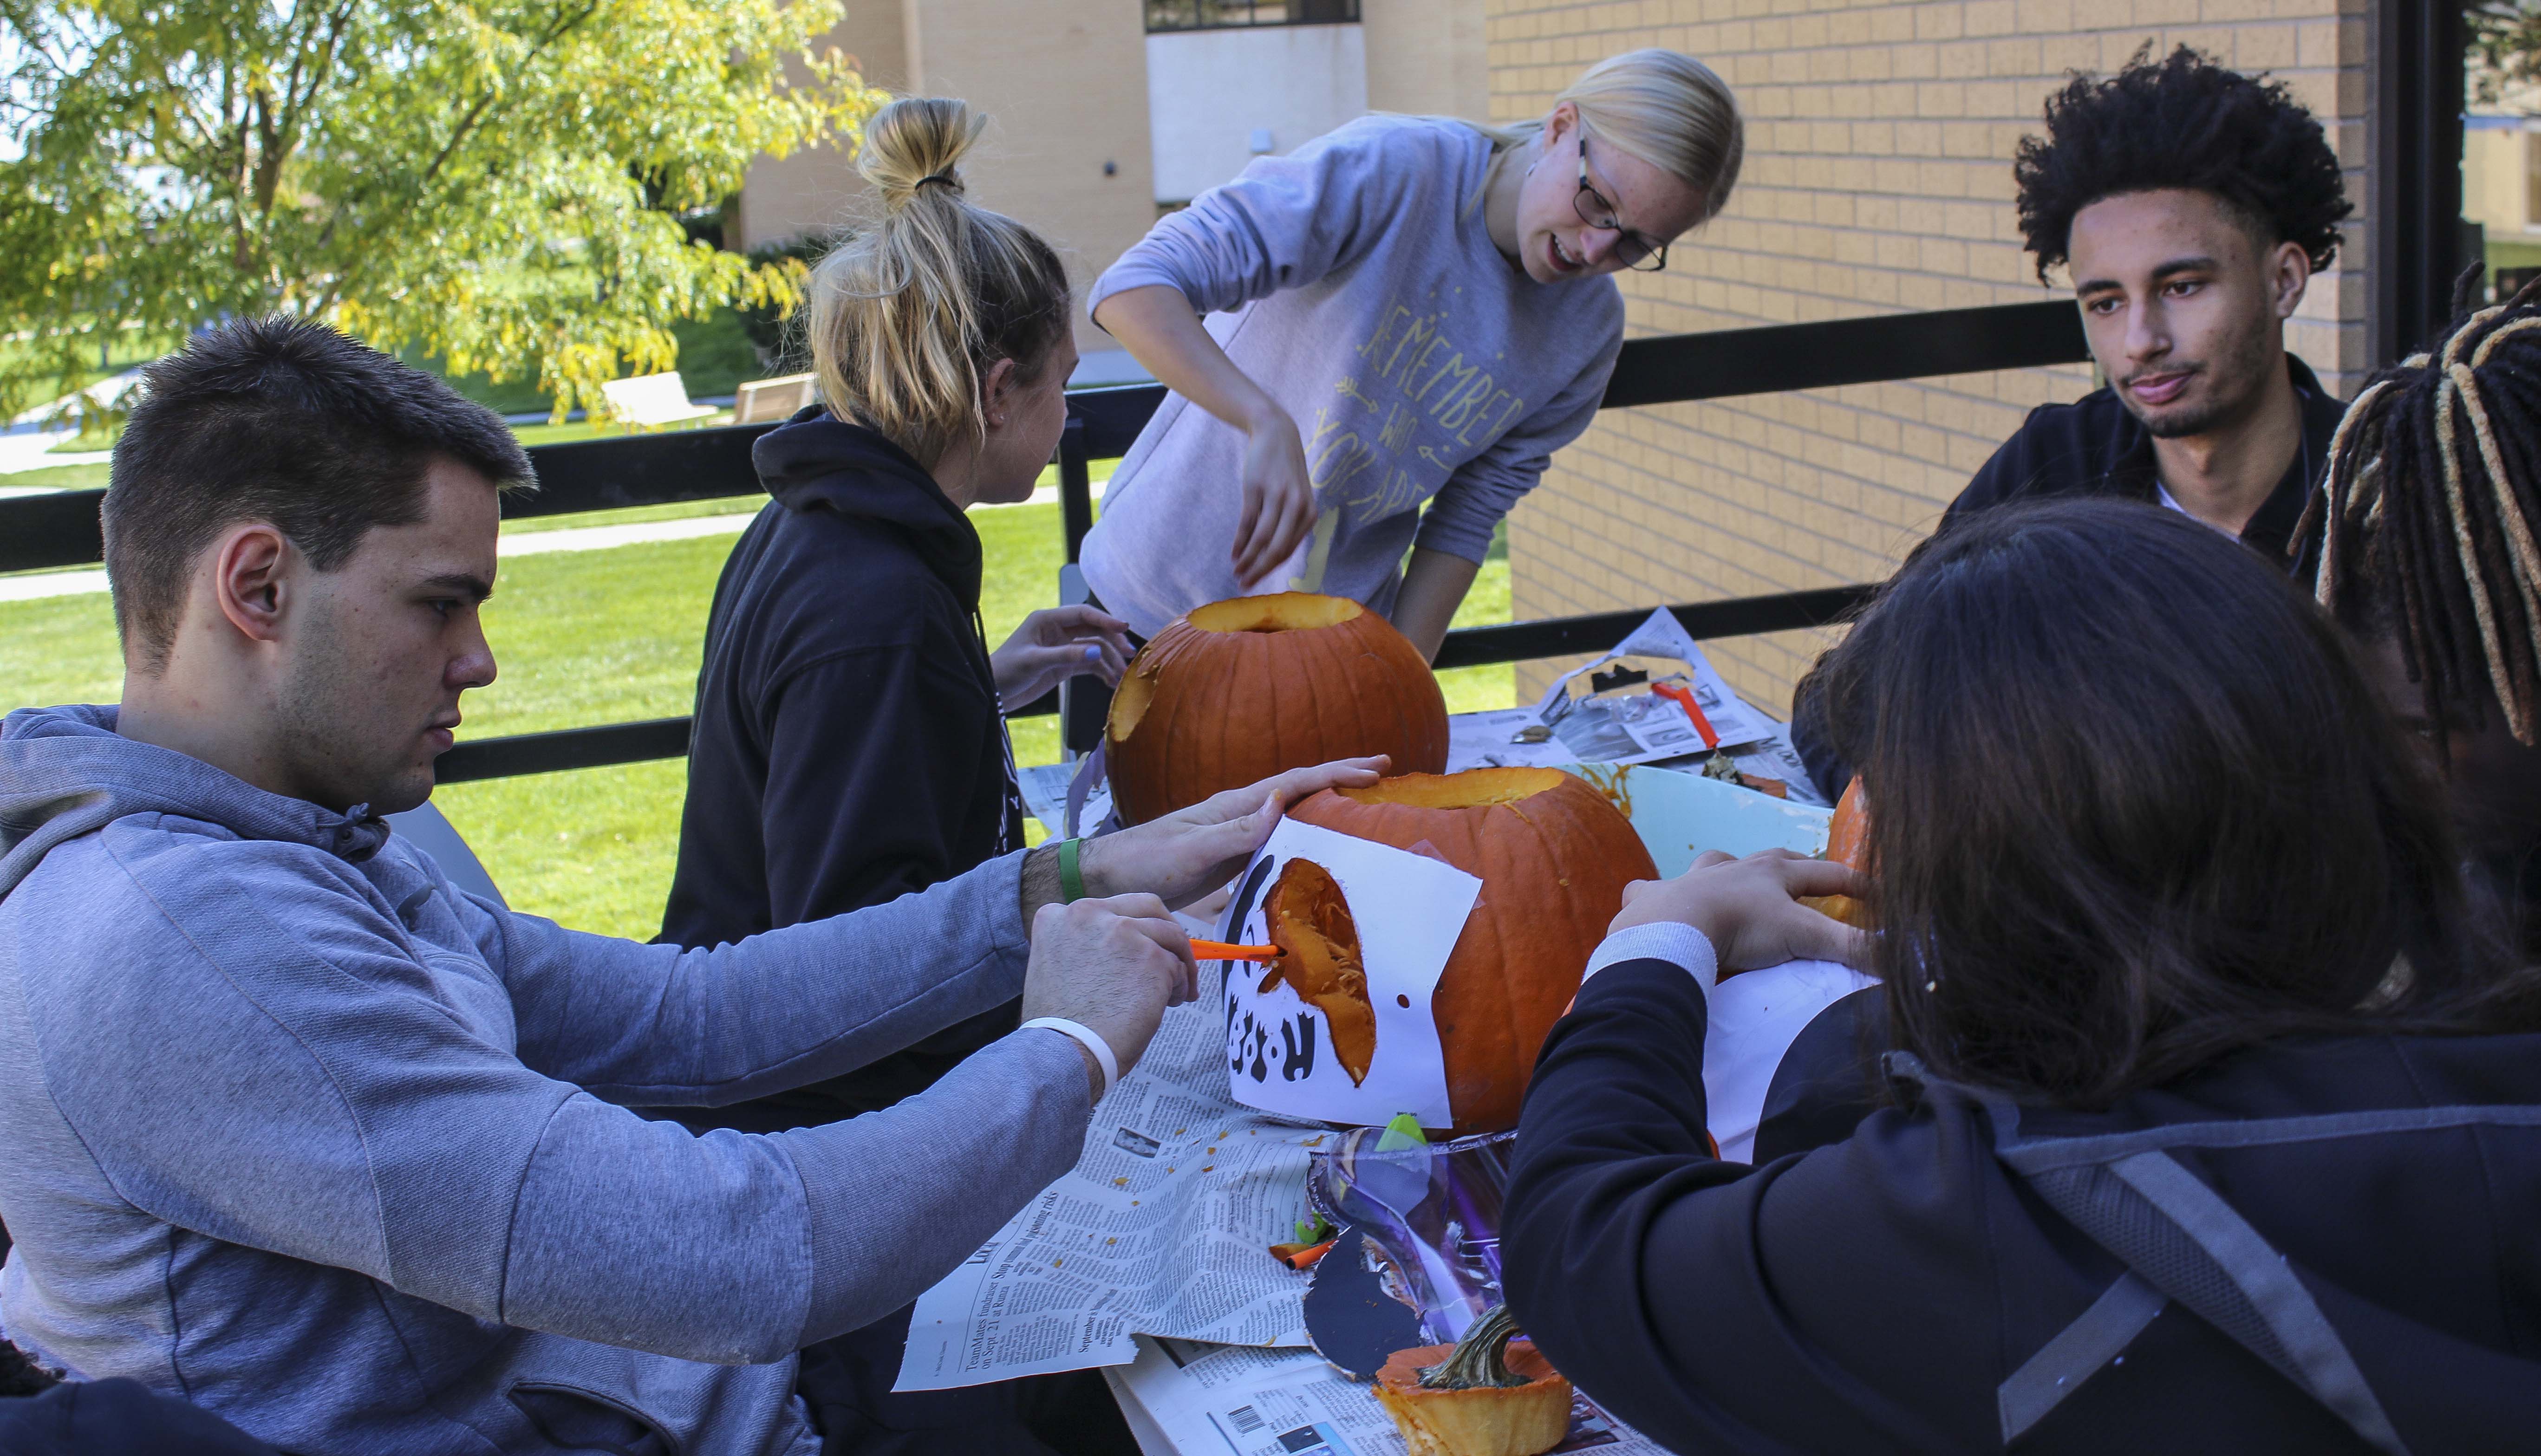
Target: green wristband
{"x": 1072, "y": 881}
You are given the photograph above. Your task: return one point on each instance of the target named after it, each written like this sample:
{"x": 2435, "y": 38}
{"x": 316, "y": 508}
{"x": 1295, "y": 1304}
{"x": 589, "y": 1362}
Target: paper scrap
{"x": 1755, "y": 1016}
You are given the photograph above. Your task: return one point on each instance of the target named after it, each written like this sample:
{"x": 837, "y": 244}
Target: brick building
{"x": 1107, "y": 110}
{"x": 1878, "y": 179}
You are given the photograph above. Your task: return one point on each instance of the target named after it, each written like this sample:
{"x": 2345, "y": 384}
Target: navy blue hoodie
{"x": 1871, "y": 1295}
{"x": 850, "y": 747}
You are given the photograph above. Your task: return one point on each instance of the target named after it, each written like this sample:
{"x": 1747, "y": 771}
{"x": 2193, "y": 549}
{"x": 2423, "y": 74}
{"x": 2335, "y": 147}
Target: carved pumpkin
{"x": 1238, "y": 691}
{"x": 1310, "y": 919}
{"x": 1554, "y": 858}
{"x": 1844, "y": 845}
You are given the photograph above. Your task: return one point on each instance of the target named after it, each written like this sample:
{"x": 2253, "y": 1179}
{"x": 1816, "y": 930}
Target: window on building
{"x": 1210, "y": 14}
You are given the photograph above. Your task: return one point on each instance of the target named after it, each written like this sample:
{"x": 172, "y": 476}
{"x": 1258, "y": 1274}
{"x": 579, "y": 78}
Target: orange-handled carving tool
{"x": 1220, "y": 950}
{"x": 1692, "y": 709}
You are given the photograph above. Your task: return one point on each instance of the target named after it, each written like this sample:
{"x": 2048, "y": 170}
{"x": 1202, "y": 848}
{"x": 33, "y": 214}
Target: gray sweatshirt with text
{"x": 296, "y": 1130}
{"x": 1355, "y": 280}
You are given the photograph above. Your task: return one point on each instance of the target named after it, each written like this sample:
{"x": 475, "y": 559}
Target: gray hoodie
{"x": 298, "y": 1132}
{"x": 1356, "y": 280}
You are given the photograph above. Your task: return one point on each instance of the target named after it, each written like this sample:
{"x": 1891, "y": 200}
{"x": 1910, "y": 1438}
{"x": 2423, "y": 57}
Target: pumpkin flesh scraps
{"x": 1310, "y": 919}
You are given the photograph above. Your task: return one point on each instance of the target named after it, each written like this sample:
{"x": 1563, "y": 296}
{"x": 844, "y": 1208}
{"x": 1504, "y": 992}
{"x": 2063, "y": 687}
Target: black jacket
{"x": 848, "y": 745}
{"x": 1871, "y": 1295}
{"x": 2095, "y": 447}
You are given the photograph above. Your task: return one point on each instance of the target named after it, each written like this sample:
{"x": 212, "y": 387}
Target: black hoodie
{"x": 1872, "y": 1295}
{"x": 848, "y": 748}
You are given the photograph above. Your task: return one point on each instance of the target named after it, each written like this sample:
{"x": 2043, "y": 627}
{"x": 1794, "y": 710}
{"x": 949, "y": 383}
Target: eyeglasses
{"x": 1636, "y": 252}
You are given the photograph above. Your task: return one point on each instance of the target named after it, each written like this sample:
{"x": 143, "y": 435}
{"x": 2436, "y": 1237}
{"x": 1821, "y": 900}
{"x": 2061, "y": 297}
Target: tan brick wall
{"x": 1427, "y": 58}
{"x": 1068, "y": 91}
{"x": 1878, "y": 179}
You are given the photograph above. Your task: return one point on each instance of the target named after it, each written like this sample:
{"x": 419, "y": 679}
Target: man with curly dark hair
{"x": 2189, "y": 206}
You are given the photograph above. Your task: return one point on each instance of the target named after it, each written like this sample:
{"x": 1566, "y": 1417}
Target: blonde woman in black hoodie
{"x": 850, "y": 743}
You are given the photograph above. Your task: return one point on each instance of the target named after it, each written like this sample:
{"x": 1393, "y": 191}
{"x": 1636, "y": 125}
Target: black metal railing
{"x": 61, "y": 529}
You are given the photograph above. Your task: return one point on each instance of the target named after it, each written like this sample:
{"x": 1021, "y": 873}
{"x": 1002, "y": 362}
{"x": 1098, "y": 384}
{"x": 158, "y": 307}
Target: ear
{"x": 249, "y": 565}
{"x": 2288, "y": 275}
{"x": 1562, "y": 124}
{"x": 998, "y": 391}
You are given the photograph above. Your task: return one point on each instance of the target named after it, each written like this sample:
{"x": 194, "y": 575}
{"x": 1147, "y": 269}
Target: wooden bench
{"x": 652, "y": 399}
{"x": 773, "y": 398}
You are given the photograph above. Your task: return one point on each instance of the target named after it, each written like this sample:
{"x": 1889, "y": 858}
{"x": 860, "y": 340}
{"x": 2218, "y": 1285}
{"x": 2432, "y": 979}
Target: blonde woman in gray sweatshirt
{"x": 1411, "y": 311}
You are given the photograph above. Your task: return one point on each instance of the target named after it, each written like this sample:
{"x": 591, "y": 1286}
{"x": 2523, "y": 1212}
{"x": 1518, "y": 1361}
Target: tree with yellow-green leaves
{"x": 499, "y": 183}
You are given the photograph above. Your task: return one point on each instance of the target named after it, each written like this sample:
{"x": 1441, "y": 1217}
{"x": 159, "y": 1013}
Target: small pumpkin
{"x": 1471, "y": 1399}
{"x": 1845, "y": 840}
{"x": 1554, "y": 856}
{"x": 1235, "y": 692}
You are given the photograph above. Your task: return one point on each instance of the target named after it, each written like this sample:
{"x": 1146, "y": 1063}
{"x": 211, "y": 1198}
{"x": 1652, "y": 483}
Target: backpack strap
{"x": 2180, "y": 1240}
{"x": 2101, "y": 1334}
{"x": 2200, "y": 1251}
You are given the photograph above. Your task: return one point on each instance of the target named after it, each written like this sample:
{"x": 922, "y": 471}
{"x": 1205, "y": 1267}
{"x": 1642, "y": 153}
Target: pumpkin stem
{"x": 1480, "y": 1358}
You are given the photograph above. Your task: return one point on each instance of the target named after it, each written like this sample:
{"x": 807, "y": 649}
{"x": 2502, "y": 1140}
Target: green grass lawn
{"x": 586, "y": 638}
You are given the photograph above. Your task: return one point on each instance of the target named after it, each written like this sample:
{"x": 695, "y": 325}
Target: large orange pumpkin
{"x": 1845, "y": 834}
{"x": 1554, "y": 858}
{"x": 1238, "y": 691}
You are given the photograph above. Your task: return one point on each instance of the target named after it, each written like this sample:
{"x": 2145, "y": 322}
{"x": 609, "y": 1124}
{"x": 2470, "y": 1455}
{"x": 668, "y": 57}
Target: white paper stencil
{"x": 1408, "y": 911}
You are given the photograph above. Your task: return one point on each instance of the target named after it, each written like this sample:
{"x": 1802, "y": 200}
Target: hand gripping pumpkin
{"x": 1554, "y": 858}
{"x": 1235, "y": 692}
{"x": 1844, "y": 845}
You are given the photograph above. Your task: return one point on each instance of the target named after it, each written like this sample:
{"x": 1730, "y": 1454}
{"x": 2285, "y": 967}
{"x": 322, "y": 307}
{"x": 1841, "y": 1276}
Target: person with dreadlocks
{"x": 2189, "y": 206}
{"x": 2428, "y": 525}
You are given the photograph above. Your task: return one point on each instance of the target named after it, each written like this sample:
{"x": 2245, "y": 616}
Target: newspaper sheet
{"x": 1045, "y": 791}
{"x": 1187, "y": 1399}
{"x": 1640, "y": 728}
{"x": 1163, "y": 1227}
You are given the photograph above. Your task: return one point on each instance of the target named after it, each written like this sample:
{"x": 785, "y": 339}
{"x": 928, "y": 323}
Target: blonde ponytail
{"x": 913, "y": 311}
{"x": 1663, "y": 106}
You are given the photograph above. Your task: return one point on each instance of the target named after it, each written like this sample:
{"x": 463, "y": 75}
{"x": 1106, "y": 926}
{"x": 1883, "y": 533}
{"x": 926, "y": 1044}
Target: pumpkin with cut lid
{"x": 1235, "y": 692}
{"x": 1554, "y": 856}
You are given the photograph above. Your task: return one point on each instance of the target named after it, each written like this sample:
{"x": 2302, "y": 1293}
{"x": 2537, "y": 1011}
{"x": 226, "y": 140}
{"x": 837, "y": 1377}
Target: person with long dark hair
{"x": 2220, "y": 1114}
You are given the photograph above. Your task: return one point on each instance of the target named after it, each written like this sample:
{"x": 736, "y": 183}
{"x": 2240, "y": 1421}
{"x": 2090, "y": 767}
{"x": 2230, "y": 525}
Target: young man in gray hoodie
{"x": 299, "y": 1132}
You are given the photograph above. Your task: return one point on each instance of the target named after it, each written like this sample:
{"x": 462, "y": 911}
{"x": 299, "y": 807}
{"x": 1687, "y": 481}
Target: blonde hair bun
{"x": 917, "y": 142}
{"x": 910, "y": 313}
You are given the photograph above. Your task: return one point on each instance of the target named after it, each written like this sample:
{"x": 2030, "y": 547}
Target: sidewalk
{"x": 39, "y": 584}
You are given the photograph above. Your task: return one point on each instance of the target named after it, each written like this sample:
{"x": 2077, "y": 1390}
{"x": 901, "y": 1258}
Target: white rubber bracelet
{"x": 1091, "y": 1040}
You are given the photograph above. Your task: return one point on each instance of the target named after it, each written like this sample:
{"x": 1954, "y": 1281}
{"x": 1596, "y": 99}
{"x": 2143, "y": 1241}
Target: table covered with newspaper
{"x": 1164, "y": 1228}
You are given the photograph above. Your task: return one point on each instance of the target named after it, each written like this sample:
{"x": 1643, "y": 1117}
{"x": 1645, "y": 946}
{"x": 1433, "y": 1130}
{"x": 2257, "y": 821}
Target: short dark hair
{"x": 2133, "y": 806}
{"x": 279, "y": 421}
{"x": 2183, "y": 122}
